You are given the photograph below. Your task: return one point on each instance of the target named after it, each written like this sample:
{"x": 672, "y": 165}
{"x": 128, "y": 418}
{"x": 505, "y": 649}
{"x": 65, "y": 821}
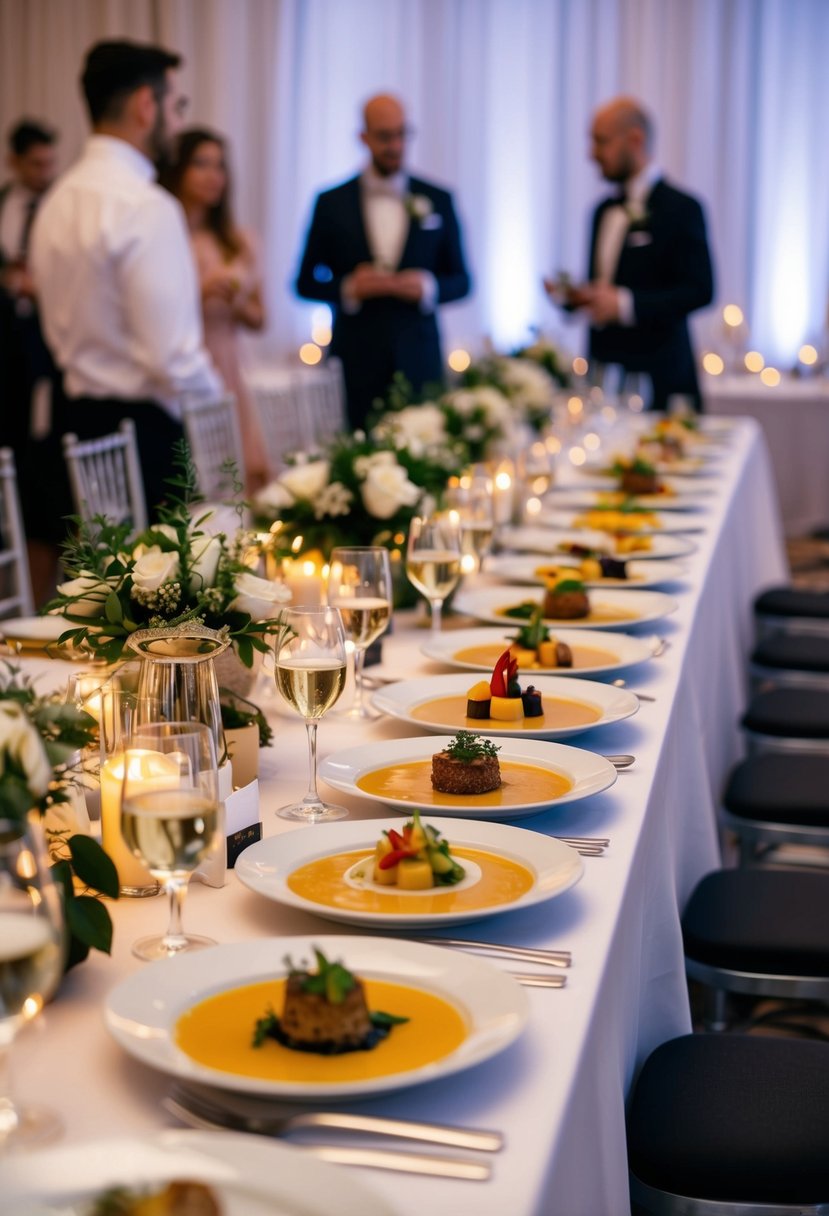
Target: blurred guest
{"x": 228, "y": 266}
{"x": 649, "y": 260}
{"x": 384, "y": 250}
{"x": 114, "y": 269}
{"x": 31, "y": 161}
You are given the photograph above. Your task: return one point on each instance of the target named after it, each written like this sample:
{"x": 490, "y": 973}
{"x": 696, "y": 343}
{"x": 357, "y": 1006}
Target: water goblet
{"x": 170, "y": 817}
{"x": 310, "y": 666}
{"x": 360, "y": 587}
{"x": 433, "y": 560}
{"x": 31, "y": 964}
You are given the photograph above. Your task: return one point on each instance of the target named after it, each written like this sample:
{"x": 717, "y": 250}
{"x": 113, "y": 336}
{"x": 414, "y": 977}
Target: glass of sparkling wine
{"x": 31, "y": 964}
{"x": 170, "y": 817}
{"x": 359, "y": 586}
{"x": 433, "y": 559}
{"x": 310, "y": 666}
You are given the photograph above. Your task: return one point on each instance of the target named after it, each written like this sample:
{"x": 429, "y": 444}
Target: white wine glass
{"x": 433, "y": 559}
{"x": 360, "y": 587}
{"x": 310, "y": 666}
{"x": 31, "y": 963}
{"x": 472, "y": 501}
{"x": 170, "y": 817}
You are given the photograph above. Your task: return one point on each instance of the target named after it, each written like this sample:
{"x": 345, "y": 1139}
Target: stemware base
{"x": 151, "y": 949}
{"x": 31, "y": 1127}
{"x": 313, "y": 812}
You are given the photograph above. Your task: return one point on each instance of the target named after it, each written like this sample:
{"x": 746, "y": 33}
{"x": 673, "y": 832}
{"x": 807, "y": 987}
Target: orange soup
{"x": 487, "y": 656}
{"x": 559, "y": 713}
{"x": 218, "y": 1033}
{"x": 502, "y": 882}
{"x": 412, "y": 782}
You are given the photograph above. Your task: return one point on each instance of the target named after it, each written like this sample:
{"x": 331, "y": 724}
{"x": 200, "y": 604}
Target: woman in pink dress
{"x": 228, "y": 265}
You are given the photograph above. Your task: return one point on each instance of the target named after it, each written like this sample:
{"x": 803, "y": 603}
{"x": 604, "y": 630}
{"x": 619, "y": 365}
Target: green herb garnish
{"x": 522, "y": 611}
{"x": 531, "y": 636}
{"x": 567, "y": 584}
{"x": 636, "y": 465}
{"x": 467, "y": 747}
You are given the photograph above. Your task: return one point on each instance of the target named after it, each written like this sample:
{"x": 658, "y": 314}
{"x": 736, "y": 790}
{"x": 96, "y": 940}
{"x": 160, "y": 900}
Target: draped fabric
{"x": 501, "y": 93}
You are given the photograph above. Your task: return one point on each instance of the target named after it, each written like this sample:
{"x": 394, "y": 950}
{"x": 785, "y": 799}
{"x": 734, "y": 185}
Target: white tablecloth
{"x": 794, "y": 416}
{"x": 558, "y": 1093}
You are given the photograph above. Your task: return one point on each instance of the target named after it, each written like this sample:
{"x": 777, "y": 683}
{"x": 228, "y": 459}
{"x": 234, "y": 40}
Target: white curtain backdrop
{"x": 501, "y": 93}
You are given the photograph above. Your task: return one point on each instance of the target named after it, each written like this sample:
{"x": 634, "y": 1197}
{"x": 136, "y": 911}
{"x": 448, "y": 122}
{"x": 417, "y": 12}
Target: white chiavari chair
{"x": 334, "y": 412}
{"x": 105, "y": 476}
{"x": 285, "y": 420}
{"x": 16, "y": 586}
{"x": 211, "y": 429}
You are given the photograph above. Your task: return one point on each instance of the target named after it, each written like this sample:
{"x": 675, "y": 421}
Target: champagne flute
{"x": 472, "y": 501}
{"x": 31, "y": 964}
{"x": 310, "y": 667}
{"x": 170, "y": 817}
{"x": 359, "y": 585}
{"x": 433, "y": 559}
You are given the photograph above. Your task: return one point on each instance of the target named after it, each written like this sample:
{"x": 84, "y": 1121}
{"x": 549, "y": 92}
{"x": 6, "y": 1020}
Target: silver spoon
{"x": 641, "y": 695}
{"x": 621, "y": 761}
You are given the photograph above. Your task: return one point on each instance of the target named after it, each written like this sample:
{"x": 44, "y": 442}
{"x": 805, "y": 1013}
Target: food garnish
{"x": 416, "y": 858}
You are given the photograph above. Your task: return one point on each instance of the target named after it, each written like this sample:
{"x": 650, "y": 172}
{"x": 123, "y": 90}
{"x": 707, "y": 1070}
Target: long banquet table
{"x": 558, "y": 1093}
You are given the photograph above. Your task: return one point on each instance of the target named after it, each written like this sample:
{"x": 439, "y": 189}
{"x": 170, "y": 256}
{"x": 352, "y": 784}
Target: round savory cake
{"x": 451, "y": 775}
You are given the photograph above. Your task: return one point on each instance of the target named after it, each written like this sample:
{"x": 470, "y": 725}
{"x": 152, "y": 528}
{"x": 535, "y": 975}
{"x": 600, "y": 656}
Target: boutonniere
{"x": 418, "y": 206}
{"x": 637, "y": 213}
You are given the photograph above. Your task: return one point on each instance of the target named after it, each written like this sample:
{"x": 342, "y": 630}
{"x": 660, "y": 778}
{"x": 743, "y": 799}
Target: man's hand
{"x": 602, "y": 303}
{"x": 366, "y": 282}
{"x": 17, "y": 281}
{"x": 408, "y": 286}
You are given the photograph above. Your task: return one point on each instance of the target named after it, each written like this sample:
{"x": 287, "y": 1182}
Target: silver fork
{"x": 528, "y": 954}
{"x": 185, "y": 1101}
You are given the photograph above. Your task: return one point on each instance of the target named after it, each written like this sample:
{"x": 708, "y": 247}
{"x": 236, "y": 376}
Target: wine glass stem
{"x": 176, "y": 889}
{"x": 9, "y": 1118}
{"x": 437, "y": 611}
{"x": 359, "y": 660}
{"x": 311, "y": 730}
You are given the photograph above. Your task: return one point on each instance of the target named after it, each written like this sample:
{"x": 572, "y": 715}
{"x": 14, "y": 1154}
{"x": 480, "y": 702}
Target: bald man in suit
{"x": 384, "y": 250}
{"x": 649, "y": 265}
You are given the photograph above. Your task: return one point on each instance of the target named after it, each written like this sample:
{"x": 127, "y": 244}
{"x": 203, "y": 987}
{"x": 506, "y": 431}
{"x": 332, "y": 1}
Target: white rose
{"x": 205, "y": 552}
{"x": 424, "y": 424}
{"x": 91, "y": 593}
{"x": 20, "y": 742}
{"x": 154, "y": 568}
{"x": 306, "y": 480}
{"x": 258, "y": 596}
{"x": 274, "y": 495}
{"x": 386, "y": 489}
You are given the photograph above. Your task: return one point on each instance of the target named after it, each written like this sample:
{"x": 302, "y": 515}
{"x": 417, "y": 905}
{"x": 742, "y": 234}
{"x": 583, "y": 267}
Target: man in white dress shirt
{"x": 114, "y": 271}
{"x": 384, "y": 250}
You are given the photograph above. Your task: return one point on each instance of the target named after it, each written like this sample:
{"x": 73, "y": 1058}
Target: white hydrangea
{"x": 526, "y": 383}
{"x": 495, "y": 406}
{"x": 334, "y": 499}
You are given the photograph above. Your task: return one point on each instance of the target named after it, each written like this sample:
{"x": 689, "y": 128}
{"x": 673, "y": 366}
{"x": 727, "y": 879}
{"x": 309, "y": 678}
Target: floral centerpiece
{"x": 176, "y": 570}
{"x": 361, "y": 490}
{"x": 551, "y": 358}
{"x": 526, "y": 384}
{"x": 40, "y": 742}
{"x": 451, "y": 429}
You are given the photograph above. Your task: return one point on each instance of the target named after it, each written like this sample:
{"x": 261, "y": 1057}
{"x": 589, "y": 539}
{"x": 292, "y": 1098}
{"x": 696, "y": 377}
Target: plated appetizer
{"x": 415, "y": 858}
{"x": 173, "y": 1199}
{"x": 469, "y": 765}
{"x": 502, "y": 698}
{"x": 636, "y": 475}
{"x": 535, "y": 646}
{"x": 325, "y": 1012}
{"x": 618, "y": 517}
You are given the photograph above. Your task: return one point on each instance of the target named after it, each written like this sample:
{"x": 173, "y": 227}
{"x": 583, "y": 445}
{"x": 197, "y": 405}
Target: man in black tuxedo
{"x": 649, "y": 260}
{"x": 384, "y": 249}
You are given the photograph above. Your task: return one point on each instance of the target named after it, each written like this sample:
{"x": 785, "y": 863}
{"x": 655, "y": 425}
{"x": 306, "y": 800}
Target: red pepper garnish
{"x": 401, "y": 848}
{"x": 506, "y": 670}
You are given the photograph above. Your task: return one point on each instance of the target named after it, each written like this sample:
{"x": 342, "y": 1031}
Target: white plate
{"x": 251, "y": 1175}
{"x": 612, "y": 704}
{"x": 519, "y": 568}
{"x": 589, "y": 773}
{"x": 661, "y": 523}
{"x": 585, "y": 499}
{"x": 628, "y": 650}
{"x": 141, "y": 1012}
{"x": 266, "y": 866}
{"x": 485, "y": 602}
{"x": 547, "y": 540}
{"x": 683, "y": 466}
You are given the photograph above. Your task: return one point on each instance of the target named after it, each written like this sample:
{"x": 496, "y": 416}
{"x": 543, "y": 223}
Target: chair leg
{"x": 715, "y": 1010}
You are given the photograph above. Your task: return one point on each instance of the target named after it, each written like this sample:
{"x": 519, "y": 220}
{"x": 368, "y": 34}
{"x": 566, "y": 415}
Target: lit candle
{"x": 305, "y": 581}
{"x": 154, "y": 771}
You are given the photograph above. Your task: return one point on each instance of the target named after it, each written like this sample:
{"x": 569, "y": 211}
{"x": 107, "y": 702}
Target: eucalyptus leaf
{"x": 89, "y": 921}
{"x": 93, "y": 866}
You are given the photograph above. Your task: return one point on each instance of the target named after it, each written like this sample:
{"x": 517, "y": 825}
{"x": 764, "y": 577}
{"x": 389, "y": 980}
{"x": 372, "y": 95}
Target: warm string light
{"x": 713, "y": 364}
{"x": 754, "y": 361}
{"x": 770, "y": 376}
{"x": 807, "y": 355}
{"x": 459, "y": 360}
{"x": 732, "y": 315}
{"x": 310, "y": 353}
